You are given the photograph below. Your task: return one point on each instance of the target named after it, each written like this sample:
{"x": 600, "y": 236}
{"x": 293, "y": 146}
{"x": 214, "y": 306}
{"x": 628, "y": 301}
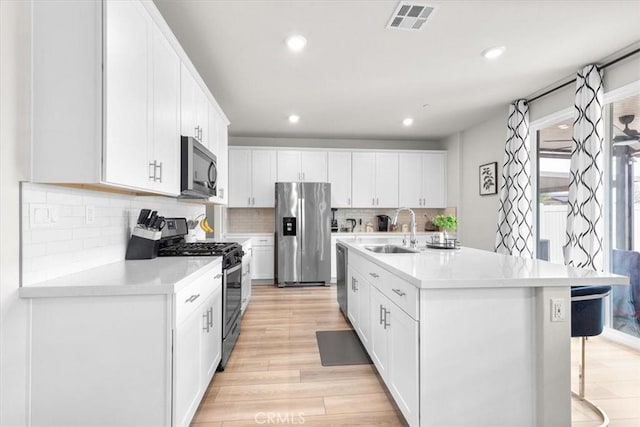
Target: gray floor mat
{"x": 338, "y": 348}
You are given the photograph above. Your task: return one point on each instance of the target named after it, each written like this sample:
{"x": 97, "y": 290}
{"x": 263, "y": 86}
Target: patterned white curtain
{"x": 515, "y": 216}
{"x": 585, "y": 225}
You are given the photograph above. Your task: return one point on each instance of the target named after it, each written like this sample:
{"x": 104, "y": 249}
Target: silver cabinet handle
{"x": 348, "y": 200}
{"x": 303, "y": 177}
{"x": 386, "y": 312}
{"x": 152, "y": 167}
{"x": 192, "y": 298}
{"x": 159, "y": 176}
{"x": 217, "y": 276}
{"x": 253, "y": 201}
{"x": 377, "y": 202}
{"x": 381, "y": 310}
{"x": 197, "y": 131}
{"x": 206, "y": 321}
{"x": 221, "y": 193}
{"x": 373, "y": 201}
{"x": 210, "y": 317}
{"x": 352, "y": 288}
{"x": 399, "y": 292}
{"x": 356, "y": 284}
{"x": 374, "y": 275}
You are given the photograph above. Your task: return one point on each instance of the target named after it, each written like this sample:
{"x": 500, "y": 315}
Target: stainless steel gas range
{"x": 172, "y": 243}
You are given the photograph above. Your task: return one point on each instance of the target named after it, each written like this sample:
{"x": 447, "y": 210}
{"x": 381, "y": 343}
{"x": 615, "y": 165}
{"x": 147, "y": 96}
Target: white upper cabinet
{"x": 263, "y": 182}
{"x": 302, "y": 166}
{"x": 252, "y": 178}
{"x": 239, "y": 178}
{"x": 339, "y": 176}
{"x": 127, "y": 90}
{"x": 166, "y": 115}
{"x": 194, "y": 119}
{"x": 422, "y": 180}
{"x": 108, "y": 92}
{"x": 375, "y": 180}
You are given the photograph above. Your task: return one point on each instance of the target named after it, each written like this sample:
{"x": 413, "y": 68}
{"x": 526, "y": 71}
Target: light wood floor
{"x": 275, "y": 371}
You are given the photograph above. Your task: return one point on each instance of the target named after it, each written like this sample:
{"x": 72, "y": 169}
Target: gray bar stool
{"x": 587, "y": 320}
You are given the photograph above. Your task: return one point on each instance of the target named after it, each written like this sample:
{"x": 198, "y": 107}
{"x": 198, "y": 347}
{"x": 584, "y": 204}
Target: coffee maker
{"x": 383, "y": 222}
{"x": 334, "y": 221}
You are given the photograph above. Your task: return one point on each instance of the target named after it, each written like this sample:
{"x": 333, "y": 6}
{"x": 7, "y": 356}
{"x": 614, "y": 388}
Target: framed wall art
{"x": 488, "y": 176}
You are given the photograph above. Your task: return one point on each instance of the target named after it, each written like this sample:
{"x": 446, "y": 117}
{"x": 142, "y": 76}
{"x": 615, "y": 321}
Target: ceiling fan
{"x": 629, "y": 136}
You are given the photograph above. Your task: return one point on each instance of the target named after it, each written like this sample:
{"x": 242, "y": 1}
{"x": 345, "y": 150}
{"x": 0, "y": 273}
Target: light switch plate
{"x": 42, "y": 215}
{"x": 558, "y": 310}
{"x": 90, "y": 215}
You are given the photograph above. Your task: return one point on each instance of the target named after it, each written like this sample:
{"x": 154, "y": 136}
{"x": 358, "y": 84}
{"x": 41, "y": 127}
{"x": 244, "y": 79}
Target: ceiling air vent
{"x": 409, "y": 16}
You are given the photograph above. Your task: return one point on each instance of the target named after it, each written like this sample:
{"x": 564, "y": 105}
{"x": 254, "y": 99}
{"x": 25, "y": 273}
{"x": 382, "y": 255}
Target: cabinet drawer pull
{"x": 210, "y": 317}
{"x": 386, "y": 324}
{"x": 374, "y": 275}
{"x": 217, "y": 276}
{"x": 192, "y": 298}
{"x": 381, "y": 310}
{"x": 373, "y": 201}
{"x": 253, "y": 201}
{"x": 399, "y": 292}
{"x": 159, "y": 177}
{"x": 377, "y": 201}
{"x": 249, "y": 201}
{"x": 152, "y": 167}
{"x": 348, "y": 200}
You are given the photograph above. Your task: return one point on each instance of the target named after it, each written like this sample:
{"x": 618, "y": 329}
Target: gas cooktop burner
{"x": 199, "y": 249}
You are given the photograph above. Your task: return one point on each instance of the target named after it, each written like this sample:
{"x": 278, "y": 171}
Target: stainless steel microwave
{"x": 198, "y": 170}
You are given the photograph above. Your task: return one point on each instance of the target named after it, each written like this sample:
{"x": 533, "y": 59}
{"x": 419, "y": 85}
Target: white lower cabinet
{"x": 262, "y": 258}
{"x": 143, "y": 360}
{"x": 394, "y": 350}
{"x": 389, "y": 334}
{"x": 358, "y": 307}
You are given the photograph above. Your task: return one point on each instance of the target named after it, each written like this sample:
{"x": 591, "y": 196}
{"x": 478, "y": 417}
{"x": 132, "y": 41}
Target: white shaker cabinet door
{"x": 386, "y": 180}
{"x": 313, "y": 166}
{"x": 339, "y": 176}
{"x": 434, "y": 179}
{"x": 127, "y": 86}
{"x": 187, "y": 375}
{"x": 262, "y": 262}
{"x": 211, "y": 333}
{"x": 410, "y": 180}
{"x": 363, "y": 179}
{"x": 166, "y": 115}
{"x": 239, "y": 178}
{"x": 379, "y": 340}
{"x": 403, "y": 369}
{"x": 264, "y": 179}
{"x": 188, "y": 112}
{"x": 289, "y": 166}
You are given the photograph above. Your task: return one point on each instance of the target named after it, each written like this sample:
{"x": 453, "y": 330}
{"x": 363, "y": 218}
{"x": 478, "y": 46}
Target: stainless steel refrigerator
{"x": 303, "y": 233}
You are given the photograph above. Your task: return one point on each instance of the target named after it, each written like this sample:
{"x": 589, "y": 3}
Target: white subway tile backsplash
{"x": 70, "y": 245}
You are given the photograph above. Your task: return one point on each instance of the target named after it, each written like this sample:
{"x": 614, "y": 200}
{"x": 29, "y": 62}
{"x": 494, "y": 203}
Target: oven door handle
{"x": 235, "y": 268}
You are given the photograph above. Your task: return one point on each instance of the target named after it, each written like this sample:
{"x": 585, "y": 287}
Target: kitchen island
{"x": 467, "y": 337}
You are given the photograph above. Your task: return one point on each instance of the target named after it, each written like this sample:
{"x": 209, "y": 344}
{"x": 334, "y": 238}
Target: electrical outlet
{"x": 89, "y": 215}
{"x": 558, "y": 310}
{"x": 42, "y": 215}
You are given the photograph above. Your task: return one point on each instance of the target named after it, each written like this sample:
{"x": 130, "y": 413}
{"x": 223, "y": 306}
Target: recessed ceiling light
{"x": 408, "y": 121}
{"x": 296, "y": 43}
{"x": 563, "y": 126}
{"x": 294, "y": 118}
{"x": 493, "y": 52}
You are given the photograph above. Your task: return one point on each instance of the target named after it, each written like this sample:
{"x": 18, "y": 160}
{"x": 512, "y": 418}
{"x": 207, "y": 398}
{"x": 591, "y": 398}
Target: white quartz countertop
{"x": 474, "y": 268}
{"x": 162, "y": 275}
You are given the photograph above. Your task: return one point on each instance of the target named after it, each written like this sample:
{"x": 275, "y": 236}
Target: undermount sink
{"x": 390, "y": 249}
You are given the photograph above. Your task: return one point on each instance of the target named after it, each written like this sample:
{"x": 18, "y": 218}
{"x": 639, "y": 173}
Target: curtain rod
{"x": 608, "y": 64}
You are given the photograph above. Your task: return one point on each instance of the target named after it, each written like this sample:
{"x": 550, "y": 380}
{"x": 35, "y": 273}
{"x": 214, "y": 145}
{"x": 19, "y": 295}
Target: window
{"x": 554, "y": 154}
{"x": 624, "y": 127}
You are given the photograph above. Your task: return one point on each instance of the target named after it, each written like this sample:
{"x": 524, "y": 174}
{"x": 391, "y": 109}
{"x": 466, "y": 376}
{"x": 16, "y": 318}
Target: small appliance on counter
{"x": 334, "y": 221}
{"x": 383, "y": 222}
{"x": 145, "y": 238}
{"x": 353, "y": 224}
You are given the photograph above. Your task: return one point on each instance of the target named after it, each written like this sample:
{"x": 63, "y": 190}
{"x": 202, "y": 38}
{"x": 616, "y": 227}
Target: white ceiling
{"x": 356, "y": 79}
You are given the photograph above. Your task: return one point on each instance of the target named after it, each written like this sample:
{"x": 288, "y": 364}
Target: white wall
{"x": 15, "y": 28}
{"x": 483, "y": 143}
{"x": 452, "y": 145}
{"x": 374, "y": 144}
